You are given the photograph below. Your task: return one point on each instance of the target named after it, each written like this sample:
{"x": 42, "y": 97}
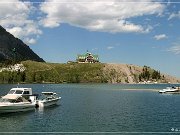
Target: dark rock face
{"x": 12, "y": 48}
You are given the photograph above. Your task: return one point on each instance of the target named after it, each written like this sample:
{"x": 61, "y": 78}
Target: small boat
{"x": 48, "y": 99}
{"x": 169, "y": 90}
{"x": 17, "y": 100}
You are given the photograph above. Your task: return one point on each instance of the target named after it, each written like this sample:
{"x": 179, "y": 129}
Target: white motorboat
{"x": 48, "y": 99}
{"x": 18, "y": 99}
{"x": 15, "y": 103}
{"x": 169, "y": 90}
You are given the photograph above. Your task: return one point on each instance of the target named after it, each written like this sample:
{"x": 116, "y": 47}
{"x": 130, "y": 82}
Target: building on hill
{"x": 87, "y": 58}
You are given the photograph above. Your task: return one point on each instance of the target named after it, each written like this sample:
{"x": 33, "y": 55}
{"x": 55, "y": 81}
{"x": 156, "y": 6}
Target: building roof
{"x": 84, "y": 56}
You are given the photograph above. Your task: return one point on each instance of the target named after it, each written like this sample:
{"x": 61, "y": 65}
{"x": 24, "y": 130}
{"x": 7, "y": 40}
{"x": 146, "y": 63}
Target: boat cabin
{"x": 48, "y": 95}
{"x": 20, "y": 91}
{"x": 13, "y": 99}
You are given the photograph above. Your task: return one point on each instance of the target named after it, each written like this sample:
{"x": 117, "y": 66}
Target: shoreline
{"x": 93, "y": 83}
{"x": 134, "y": 89}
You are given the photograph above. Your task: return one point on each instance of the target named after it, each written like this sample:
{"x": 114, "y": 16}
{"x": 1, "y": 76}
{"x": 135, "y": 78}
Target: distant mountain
{"x": 12, "y": 48}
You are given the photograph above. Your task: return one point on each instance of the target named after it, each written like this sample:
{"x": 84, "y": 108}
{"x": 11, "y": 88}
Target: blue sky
{"x": 143, "y": 32}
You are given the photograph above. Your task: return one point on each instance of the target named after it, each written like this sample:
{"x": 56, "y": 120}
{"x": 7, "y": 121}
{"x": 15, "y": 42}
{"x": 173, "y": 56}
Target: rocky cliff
{"x": 12, "y": 48}
{"x": 128, "y": 73}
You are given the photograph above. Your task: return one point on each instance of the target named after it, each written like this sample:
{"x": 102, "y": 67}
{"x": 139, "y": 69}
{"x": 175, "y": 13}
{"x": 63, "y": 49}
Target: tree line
{"x": 149, "y": 74}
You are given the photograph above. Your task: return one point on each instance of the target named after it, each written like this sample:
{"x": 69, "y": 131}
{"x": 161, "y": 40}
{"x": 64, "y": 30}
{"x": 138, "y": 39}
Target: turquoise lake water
{"x": 98, "y": 108}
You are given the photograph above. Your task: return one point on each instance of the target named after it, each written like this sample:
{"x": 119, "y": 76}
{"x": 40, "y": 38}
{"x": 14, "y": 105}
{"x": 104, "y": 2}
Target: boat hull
{"x": 7, "y": 108}
{"x": 45, "y": 103}
{"x": 169, "y": 91}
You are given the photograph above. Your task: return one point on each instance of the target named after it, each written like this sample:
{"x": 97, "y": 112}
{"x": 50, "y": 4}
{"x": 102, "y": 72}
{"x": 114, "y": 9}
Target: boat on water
{"x": 169, "y": 90}
{"x": 48, "y": 99}
{"x": 17, "y": 100}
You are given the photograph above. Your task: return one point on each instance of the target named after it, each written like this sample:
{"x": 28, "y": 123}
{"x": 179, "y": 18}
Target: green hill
{"x": 41, "y": 72}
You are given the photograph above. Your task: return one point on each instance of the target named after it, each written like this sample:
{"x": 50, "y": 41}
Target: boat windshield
{"x": 19, "y": 92}
{"x": 15, "y": 92}
{"x": 11, "y": 92}
{"x": 45, "y": 97}
{"x": 4, "y": 100}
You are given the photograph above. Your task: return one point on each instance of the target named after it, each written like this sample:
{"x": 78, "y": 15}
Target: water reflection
{"x": 41, "y": 110}
{"x": 16, "y": 114}
{"x": 15, "y": 121}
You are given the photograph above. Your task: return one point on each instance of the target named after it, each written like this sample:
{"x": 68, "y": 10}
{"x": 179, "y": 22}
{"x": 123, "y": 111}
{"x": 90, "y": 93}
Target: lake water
{"x": 98, "y": 108}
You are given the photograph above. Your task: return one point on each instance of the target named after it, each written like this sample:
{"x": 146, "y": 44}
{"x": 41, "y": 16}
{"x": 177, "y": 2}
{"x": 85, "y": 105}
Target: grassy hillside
{"x": 59, "y": 73}
{"x": 39, "y": 72}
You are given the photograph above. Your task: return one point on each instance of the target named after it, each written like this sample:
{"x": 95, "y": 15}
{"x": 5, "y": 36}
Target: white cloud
{"x": 160, "y": 37}
{"x": 175, "y": 49}
{"x": 110, "y": 47}
{"x": 106, "y": 16}
{"x": 25, "y": 31}
{"x": 30, "y": 40}
{"x": 174, "y": 15}
{"x": 15, "y": 18}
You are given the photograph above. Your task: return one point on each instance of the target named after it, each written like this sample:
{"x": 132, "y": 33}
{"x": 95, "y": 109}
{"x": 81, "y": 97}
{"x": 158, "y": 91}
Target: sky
{"x": 139, "y": 32}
